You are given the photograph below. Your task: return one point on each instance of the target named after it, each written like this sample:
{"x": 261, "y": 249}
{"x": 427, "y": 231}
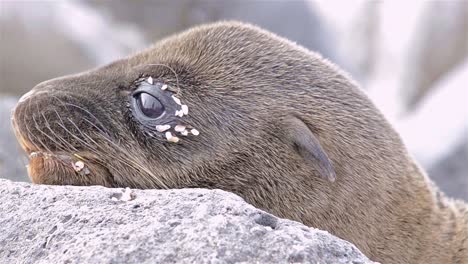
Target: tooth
{"x": 164, "y": 87}
{"x": 184, "y": 133}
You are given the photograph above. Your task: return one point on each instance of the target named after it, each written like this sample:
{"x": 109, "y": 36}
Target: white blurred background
{"x": 411, "y": 57}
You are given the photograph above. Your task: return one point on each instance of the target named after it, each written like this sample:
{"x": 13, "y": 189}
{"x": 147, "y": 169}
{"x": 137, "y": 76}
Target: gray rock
{"x": 33, "y": 49}
{"x": 12, "y": 159}
{"x": 451, "y": 172}
{"x": 157, "y": 19}
{"x": 66, "y": 224}
{"x": 439, "y": 46}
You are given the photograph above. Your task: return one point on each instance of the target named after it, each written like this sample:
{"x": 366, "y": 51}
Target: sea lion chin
{"x": 234, "y": 107}
{"x": 63, "y": 169}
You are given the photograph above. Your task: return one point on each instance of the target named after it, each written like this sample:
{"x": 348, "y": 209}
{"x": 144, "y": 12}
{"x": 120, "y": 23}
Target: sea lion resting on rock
{"x": 234, "y": 107}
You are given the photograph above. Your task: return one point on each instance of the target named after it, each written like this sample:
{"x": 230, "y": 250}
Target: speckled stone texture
{"x": 65, "y": 224}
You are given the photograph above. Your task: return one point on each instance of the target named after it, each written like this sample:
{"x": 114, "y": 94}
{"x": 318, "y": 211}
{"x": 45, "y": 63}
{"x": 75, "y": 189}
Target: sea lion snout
{"x": 59, "y": 128}
{"x": 48, "y": 115}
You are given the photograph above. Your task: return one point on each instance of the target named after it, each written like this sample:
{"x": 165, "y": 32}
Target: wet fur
{"x": 245, "y": 89}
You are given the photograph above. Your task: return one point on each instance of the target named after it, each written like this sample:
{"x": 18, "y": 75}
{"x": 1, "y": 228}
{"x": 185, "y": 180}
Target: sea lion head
{"x": 227, "y": 106}
{"x": 189, "y": 105}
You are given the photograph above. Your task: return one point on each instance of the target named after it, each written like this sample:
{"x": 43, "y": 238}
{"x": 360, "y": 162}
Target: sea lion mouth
{"x": 62, "y": 167}
{"x": 76, "y": 161}
{"x": 67, "y": 169}
{"x": 42, "y": 164}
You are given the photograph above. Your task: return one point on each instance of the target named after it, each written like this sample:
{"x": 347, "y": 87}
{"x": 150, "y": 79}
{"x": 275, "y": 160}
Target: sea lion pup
{"x": 231, "y": 106}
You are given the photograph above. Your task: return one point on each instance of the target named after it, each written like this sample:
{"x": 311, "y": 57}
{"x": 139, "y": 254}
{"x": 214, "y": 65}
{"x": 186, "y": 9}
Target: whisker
{"x": 29, "y": 135}
{"x": 130, "y": 161}
{"x": 62, "y": 124}
{"x": 92, "y": 149}
{"x": 83, "y": 109}
{"x": 95, "y": 126}
{"x": 55, "y": 134}
{"x": 42, "y": 132}
{"x": 86, "y": 144}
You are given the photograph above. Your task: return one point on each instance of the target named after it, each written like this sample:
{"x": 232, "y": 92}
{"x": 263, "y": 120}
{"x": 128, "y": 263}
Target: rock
{"x": 354, "y": 27}
{"x": 450, "y": 173}
{"x": 440, "y": 44}
{"x": 304, "y": 24}
{"x": 12, "y": 159}
{"x": 436, "y": 132}
{"x": 36, "y": 49}
{"x": 67, "y": 224}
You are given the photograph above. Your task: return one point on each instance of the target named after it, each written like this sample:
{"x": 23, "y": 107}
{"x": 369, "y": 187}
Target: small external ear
{"x": 308, "y": 146}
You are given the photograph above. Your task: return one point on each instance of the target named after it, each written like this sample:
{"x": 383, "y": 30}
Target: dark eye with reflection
{"x": 149, "y": 105}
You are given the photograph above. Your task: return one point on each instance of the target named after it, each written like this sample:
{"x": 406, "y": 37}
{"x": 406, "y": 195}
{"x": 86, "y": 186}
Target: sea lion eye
{"x": 149, "y": 105}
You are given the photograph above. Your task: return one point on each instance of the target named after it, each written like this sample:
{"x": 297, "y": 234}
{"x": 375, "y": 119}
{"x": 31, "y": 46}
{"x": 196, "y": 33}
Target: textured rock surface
{"x": 45, "y": 224}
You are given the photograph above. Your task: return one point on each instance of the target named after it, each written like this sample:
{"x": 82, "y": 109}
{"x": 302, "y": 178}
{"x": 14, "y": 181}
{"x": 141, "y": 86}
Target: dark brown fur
{"x": 277, "y": 124}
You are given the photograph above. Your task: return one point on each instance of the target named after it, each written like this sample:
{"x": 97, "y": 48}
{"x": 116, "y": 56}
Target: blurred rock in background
{"x": 12, "y": 160}
{"x": 410, "y": 57}
{"x": 439, "y": 44}
{"x": 436, "y": 131}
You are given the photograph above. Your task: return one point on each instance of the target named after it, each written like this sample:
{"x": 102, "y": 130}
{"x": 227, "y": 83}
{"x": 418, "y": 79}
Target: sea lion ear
{"x": 308, "y": 146}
